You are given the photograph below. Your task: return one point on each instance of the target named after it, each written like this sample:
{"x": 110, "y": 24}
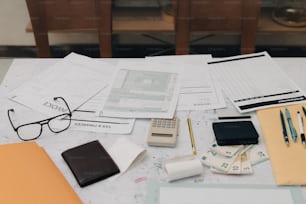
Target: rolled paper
{"x": 183, "y": 169}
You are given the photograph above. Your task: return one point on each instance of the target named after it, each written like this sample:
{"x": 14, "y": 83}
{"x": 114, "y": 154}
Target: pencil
{"x": 194, "y": 151}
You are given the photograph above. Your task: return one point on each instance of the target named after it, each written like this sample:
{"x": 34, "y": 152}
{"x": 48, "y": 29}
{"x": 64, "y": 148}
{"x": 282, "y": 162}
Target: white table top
{"x": 132, "y": 186}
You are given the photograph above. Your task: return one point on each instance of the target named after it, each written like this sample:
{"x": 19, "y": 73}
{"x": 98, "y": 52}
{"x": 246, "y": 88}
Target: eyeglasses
{"x": 32, "y": 131}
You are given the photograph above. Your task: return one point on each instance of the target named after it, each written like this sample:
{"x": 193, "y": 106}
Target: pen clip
{"x": 284, "y": 128}
{"x": 304, "y": 110}
{"x": 291, "y": 126}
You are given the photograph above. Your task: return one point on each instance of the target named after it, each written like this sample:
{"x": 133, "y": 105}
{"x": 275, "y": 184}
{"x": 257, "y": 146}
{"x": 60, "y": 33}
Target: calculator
{"x": 163, "y": 132}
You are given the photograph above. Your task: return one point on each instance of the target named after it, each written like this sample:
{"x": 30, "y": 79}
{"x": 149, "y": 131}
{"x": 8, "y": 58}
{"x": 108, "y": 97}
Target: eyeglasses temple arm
{"x": 8, "y": 114}
{"x": 59, "y": 97}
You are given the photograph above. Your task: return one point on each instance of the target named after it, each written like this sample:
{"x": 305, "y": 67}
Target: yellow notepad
{"x": 288, "y": 161}
{"x": 29, "y": 176}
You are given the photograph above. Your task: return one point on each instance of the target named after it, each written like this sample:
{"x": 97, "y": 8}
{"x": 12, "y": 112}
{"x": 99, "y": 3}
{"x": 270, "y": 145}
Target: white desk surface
{"x": 132, "y": 186}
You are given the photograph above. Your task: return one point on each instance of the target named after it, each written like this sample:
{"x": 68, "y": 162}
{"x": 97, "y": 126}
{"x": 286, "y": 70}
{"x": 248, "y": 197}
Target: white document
{"x": 198, "y": 91}
{"x": 211, "y": 195}
{"x": 143, "y": 90}
{"x": 76, "y": 78}
{"x": 254, "y": 82}
{"x": 86, "y": 118}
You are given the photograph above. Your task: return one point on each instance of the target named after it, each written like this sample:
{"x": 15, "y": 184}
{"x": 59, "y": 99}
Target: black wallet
{"x": 235, "y": 133}
{"x": 90, "y": 163}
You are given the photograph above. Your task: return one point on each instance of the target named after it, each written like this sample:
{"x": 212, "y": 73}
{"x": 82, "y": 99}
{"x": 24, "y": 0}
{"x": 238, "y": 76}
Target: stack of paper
{"x": 29, "y": 176}
{"x": 236, "y": 159}
{"x": 76, "y": 78}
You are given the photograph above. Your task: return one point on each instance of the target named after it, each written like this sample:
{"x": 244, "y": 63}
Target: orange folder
{"x": 29, "y": 176}
{"x": 288, "y": 161}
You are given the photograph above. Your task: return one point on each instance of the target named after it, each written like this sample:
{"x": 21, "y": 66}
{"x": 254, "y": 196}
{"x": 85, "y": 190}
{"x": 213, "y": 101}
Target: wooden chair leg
{"x": 105, "y": 45}
{"x": 37, "y": 15}
{"x": 182, "y": 27}
{"x": 182, "y": 37}
{"x": 251, "y": 11}
{"x": 42, "y": 44}
{"x": 104, "y": 13}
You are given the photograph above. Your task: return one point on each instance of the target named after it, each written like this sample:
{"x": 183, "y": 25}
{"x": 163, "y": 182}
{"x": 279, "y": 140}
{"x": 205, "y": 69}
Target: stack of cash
{"x": 237, "y": 159}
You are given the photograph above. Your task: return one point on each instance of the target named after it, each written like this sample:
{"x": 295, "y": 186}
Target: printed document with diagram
{"x": 198, "y": 90}
{"x": 254, "y": 82}
{"x": 143, "y": 90}
{"x": 76, "y": 78}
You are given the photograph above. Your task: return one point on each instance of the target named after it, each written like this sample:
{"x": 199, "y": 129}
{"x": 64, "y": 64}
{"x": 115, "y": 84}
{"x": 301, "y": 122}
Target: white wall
{"x": 13, "y": 20}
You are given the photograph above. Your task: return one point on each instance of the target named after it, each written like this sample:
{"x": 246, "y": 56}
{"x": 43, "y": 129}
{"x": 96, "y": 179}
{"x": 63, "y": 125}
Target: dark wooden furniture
{"x": 202, "y": 16}
{"x": 216, "y": 16}
{"x": 80, "y": 15}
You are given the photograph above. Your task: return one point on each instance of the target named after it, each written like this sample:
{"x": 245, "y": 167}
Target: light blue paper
{"x": 153, "y": 196}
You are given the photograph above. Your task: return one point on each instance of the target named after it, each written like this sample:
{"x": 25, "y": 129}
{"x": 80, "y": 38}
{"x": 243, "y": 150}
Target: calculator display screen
{"x": 161, "y": 135}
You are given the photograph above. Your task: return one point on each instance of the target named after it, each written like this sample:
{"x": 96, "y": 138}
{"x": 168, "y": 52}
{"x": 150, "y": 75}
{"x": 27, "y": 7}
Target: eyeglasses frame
{"x": 42, "y": 122}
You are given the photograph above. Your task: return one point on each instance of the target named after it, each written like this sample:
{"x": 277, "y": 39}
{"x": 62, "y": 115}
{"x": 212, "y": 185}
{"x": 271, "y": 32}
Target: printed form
{"x": 86, "y": 118}
{"x": 254, "y": 82}
{"x": 143, "y": 90}
{"x": 198, "y": 90}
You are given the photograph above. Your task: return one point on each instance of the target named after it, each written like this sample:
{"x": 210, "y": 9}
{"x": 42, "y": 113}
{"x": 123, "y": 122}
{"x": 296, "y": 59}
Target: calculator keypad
{"x": 164, "y": 123}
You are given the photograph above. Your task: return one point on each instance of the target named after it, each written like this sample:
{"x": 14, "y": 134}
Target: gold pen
{"x": 194, "y": 151}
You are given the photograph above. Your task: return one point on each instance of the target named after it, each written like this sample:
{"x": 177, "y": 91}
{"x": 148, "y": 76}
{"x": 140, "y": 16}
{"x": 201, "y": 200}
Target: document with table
{"x": 255, "y": 81}
{"x": 87, "y": 118}
{"x": 143, "y": 90}
{"x": 113, "y": 101}
{"x": 198, "y": 90}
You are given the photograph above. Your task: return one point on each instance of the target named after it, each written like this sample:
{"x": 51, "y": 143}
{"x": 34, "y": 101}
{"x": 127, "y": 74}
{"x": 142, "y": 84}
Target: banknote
{"x": 257, "y": 154}
{"x": 237, "y": 159}
{"x": 235, "y": 168}
{"x": 246, "y": 167}
{"x": 227, "y": 151}
{"x": 217, "y": 161}
{"x": 241, "y": 165}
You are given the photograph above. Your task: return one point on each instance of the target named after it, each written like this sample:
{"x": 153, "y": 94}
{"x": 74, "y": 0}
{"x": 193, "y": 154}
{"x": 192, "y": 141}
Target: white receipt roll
{"x": 183, "y": 169}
